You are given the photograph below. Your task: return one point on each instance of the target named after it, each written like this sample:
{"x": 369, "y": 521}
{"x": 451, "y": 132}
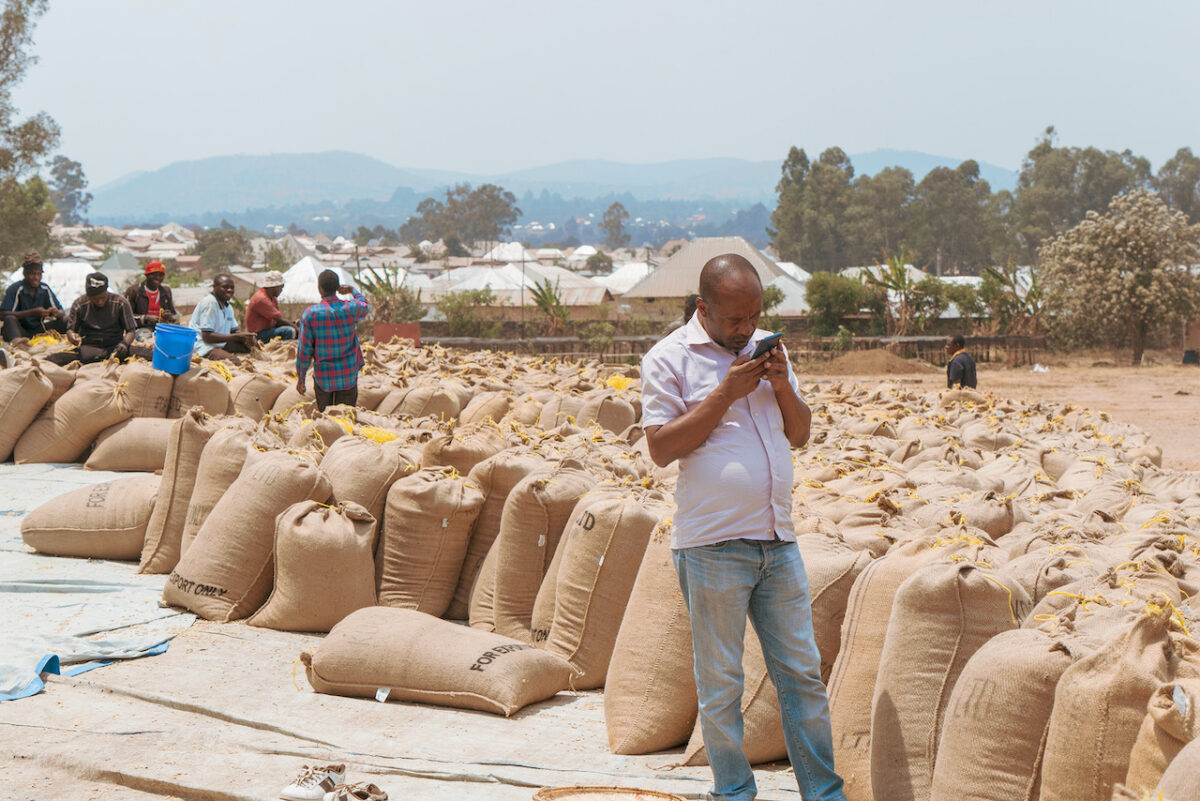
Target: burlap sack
{"x": 762, "y": 720}
{"x": 852, "y": 681}
{"x": 1003, "y": 698}
{"x": 464, "y": 448}
{"x": 139, "y": 443}
{"x": 101, "y": 521}
{"x": 412, "y": 656}
{"x": 61, "y": 378}
{"x": 609, "y": 410}
{"x": 200, "y": 386}
{"x": 535, "y": 514}
{"x": 1104, "y": 695}
{"x": 290, "y": 400}
{"x": 64, "y": 429}
{"x": 542, "y": 616}
{"x": 602, "y": 548}
{"x": 831, "y": 576}
{"x": 149, "y": 390}
{"x": 486, "y": 406}
{"x": 1181, "y": 782}
{"x": 427, "y": 524}
{"x": 481, "y": 612}
{"x": 942, "y": 614}
{"x": 371, "y": 391}
{"x": 561, "y": 408}
{"x": 253, "y": 394}
{"x": 221, "y": 461}
{"x": 525, "y": 411}
{"x": 650, "y": 690}
{"x": 428, "y": 400}
{"x": 227, "y": 572}
{"x": 495, "y": 476}
{"x": 185, "y": 442}
{"x": 1172, "y": 721}
{"x": 324, "y": 567}
{"x": 24, "y": 390}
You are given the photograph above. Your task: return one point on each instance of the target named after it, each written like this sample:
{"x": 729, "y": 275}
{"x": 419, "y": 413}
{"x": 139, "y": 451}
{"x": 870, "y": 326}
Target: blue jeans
{"x": 722, "y": 584}
{"x": 280, "y": 331}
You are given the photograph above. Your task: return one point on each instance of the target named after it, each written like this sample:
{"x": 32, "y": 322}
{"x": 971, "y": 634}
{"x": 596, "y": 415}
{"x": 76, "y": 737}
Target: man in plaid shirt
{"x": 328, "y": 341}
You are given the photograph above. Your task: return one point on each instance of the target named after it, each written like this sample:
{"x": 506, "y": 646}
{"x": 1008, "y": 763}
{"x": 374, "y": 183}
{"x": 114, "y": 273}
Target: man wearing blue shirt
{"x": 30, "y": 307}
{"x": 213, "y": 317}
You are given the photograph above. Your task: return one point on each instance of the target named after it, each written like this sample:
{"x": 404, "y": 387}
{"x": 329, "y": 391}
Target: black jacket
{"x": 961, "y": 371}
{"x": 136, "y": 295}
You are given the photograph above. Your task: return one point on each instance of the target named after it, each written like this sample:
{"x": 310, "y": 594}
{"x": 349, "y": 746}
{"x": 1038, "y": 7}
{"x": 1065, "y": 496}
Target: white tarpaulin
{"x": 300, "y": 281}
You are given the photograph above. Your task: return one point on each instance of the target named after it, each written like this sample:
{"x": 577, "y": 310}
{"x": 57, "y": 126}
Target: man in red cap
{"x": 151, "y": 300}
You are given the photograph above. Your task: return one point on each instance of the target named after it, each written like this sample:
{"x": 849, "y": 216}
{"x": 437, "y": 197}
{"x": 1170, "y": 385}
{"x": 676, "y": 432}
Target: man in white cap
{"x": 262, "y": 312}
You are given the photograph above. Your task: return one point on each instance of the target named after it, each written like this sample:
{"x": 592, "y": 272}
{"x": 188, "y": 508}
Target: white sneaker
{"x": 312, "y": 783}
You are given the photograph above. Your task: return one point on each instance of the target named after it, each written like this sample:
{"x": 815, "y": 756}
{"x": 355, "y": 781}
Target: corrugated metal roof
{"x": 679, "y": 276}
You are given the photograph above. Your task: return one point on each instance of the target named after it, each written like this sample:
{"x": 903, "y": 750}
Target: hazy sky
{"x": 486, "y": 86}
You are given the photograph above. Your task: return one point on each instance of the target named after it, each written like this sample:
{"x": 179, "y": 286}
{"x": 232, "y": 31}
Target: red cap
{"x": 155, "y": 267}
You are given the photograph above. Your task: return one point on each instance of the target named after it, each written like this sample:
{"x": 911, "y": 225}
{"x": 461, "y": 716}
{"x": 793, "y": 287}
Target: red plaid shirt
{"x": 329, "y": 343}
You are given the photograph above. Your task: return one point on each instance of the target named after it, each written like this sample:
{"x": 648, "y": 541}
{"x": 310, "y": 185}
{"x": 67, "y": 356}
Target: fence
{"x": 622, "y": 349}
{"x": 1009, "y": 349}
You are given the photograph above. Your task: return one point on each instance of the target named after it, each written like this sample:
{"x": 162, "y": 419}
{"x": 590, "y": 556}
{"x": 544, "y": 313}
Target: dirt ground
{"x": 1163, "y": 398}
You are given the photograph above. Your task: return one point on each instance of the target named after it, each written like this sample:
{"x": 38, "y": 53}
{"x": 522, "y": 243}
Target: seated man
{"x": 213, "y": 318}
{"x": 151, "y": 300}
{"x": 99, "y": 325}
{"x": 29, "y": 307}
{"x": 262, "y": 312}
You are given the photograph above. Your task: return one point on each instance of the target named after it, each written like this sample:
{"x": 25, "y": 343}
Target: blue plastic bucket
{"x": 173, "y": 346}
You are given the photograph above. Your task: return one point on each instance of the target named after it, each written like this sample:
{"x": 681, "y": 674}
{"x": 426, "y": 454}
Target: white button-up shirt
{"x": 738, "y": 483}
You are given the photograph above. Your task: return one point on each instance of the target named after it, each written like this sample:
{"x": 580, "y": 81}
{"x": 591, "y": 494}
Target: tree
{"x": 548, "y": 299}
{"x": 787, "y": 221}
{"x": 599, "y": 263}
{"x": 948, "y": 219}
{"x": 461, "y": 312}
{"x": 67, "y": 187}
{"x": 276, "y": 258}
{"x": 468, "y": 215}
{"x": 930, "y": 297}
{"x": 26, "y": 212}
{"x": 391, "y": 301}
{"x": 1128, "y": 270}
{"x": 878, "y": 214}
{"x": 613, "y": 226}
{"x": 831, "y": 298}
{"x": 1013, "y": 298}
{"x": 362, "y": 236}
{"x": 826, "y": 197}
{"x": 218, "y": 248}
{"x": 894, "y": 281}
{"x": 1178, "y": 181}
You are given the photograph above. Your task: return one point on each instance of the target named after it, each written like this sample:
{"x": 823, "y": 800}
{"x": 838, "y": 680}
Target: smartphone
{"x": 766, "y": 344}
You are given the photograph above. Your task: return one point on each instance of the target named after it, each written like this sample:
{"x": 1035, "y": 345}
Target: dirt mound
{"x": 874, "y": 362}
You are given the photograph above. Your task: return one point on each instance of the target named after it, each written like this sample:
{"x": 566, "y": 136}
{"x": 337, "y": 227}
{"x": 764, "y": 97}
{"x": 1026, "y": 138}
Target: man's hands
{"x": 247, "y": 339}
{"x": 56, "y": 313}
{"x": 74, "y": 338}
{"x": 776, "y": 369}
{"x": 743, "y": 376}
{"x": 345, "y": 289}
{"x": 301, "y": 385}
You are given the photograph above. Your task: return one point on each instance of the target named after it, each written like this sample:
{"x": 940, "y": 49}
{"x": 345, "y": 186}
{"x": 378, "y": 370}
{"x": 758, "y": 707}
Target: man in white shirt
{"x": 213, "y": 318}
{"x": 732, "y": 421}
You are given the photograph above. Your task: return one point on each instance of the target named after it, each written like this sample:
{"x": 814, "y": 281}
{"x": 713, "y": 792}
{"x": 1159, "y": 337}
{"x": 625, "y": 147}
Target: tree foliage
{"x": 391, "y": 300}
{"x": 467, "y": 215}
{"x": 219, "y": 248}
{"x": 833, "y": 297}
{"x": 548, "y": 300}
{"x": 613, "y": 226}
{"x": 1178, "y": 181}
{"x": 26, "y": 212}
{"x": 1124, "y": 271}
{"x": 461, "y": 310}
{"x": 599, "y": 262}
{"x": 68, "y": 186}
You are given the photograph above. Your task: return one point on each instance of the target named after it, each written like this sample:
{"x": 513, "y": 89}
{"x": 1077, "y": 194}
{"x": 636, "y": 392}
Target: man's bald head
{"x": 730, "y": 300}
{"x": 728, "y": 272}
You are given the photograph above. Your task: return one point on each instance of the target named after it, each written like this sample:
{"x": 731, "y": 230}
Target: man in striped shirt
{"x": 329, "y": 343}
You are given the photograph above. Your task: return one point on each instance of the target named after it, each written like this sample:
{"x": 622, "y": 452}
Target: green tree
{"x": 878, "y": 215}
{"x": 1058, "y": 186}
{"x": 966, "y": 299}
{"x": 548, "y": 299}
{"x": 461, "y": 310}
{"x": 362, "y": 236}
{"x": 826, "y": 197}
{"x": 613, "y": 226}
{"x": 772, "y": 296}
{"x": 598, "y": 336}
{"x": 221, "y": 247}
{"x": 833, "y": 297}
{"x": 1178, "y": 181}
{"x": 598, "y": 263}
{"x": 949, "y": 219}
{"x": 26, "y": 212}
{"x": 930, "y": 298}
{"x": 896, "y": 283}
{"x": 391, "y": 301}
{"x": 276, "y": 258}
{"x": 1127, "y": 270}
{"x": 1013, "y": 298}
{"x": 68, "y": 187}
{"x": 787, "y": 221}
{"x": 469, "y": 215}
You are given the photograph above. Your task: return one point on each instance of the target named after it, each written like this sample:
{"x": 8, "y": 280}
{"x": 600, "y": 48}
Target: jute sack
{"x": 428, "y": 400}
{"x": 149, "y": 390}
{"x": 942, "y": 614}
{"x": 852, "y": 681}
{"x": 535, "y": 514}
{"x": 1172, "y": 721}
{"x": 185, "y": 442}
{"x": 481, "y": 613}
{"x": 426, "y": 526}
{"x": 464, "y": 448}
{"x": 412, "y": 656}
{"x": 60, "y": 377}
{"x": 227, "y": 573}
{"x": 609, "y": 410}
{"x": 602, "y": 548}
{"x": 650, "y": 690}
{"x": 542, "y": 616}
{"x": 486, "y": 406}
{"x": 561, "y": 408}
{"x": 762, "y": 737}
{"x": 1181, "y": 782}
{"x": 65, "y": 428}
{"x": 290, "y": 400}
{"x": 371, "y": 391}
{"x": 1003, "y": 698}
{"x": 101, "y": 521}
{"x": 324, "y": 567}
{"x": 24, "y": 390}
{"x": 221, "y": 460}
{"x": 253, "y": 394}
{"x": 139, "y": 443}
{"x": 831, "y": 576}
{"x": 389, "y": 404}
{"x": 495, "y": 476}
{"x": 200, "y": 386}
{"x": 525, "y": 410}
{"x": 1104, "y": 695}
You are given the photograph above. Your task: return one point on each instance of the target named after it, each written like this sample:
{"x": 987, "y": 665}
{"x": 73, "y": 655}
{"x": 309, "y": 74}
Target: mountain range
{"x": 193, "y": 191}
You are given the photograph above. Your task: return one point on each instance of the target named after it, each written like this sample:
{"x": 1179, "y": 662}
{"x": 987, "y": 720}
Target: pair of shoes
{"x": 362, "y": 791}
{"x": 314, "y": 782}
